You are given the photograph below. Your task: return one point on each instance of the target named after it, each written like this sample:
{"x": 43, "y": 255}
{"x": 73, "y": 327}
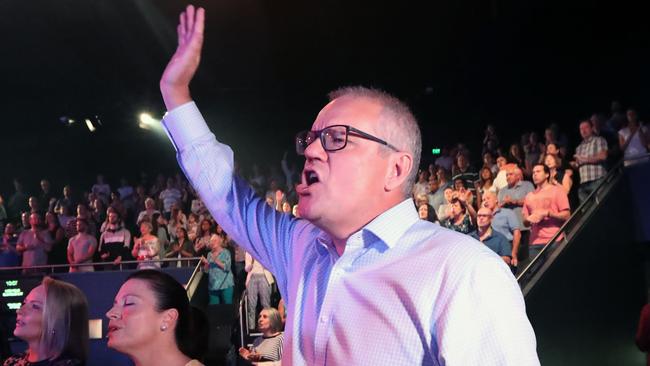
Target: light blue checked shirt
{"x": 404, "y": 292}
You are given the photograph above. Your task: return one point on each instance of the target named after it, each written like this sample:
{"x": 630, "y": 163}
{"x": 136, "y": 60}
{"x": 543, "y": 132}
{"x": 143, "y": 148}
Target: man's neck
{"x": 484, "y": 231}
{"x": 340, "y": 237}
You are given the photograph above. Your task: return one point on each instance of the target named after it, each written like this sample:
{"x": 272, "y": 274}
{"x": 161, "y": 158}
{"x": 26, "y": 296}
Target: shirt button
{"x": 323, "y": 319}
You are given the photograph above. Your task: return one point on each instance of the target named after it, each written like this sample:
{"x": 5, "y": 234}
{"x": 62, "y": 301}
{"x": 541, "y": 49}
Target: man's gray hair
{"x": 399, "y": 127}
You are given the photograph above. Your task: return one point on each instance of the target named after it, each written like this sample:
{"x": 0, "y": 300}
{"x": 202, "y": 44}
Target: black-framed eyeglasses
{"x": 334, "y": 138}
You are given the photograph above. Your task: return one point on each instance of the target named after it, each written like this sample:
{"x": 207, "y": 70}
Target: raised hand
{"x": 175, "y": 81}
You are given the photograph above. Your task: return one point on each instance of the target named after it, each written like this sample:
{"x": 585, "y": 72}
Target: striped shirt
{"x": 270, "y": 348}
{"x": 404, "y": 292}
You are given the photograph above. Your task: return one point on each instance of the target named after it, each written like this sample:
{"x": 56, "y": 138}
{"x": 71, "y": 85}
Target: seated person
{"x": 268, "y": 347}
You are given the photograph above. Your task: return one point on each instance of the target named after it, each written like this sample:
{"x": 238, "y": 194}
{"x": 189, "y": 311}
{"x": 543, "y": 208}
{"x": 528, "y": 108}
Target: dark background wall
{"x": 268, "y": 65}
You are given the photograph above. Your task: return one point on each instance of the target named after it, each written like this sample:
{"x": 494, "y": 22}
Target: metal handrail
{"x": 528, "y": 277}
{"x": 51, "y": 267}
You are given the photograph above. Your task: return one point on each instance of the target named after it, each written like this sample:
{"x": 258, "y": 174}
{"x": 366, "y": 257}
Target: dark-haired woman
{"x": 151, "y": 321}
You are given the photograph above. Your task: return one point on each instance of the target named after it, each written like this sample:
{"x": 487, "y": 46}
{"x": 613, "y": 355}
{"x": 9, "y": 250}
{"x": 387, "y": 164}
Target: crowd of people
{"x": 514, "y": 202}
{"x": 521, "y": 194}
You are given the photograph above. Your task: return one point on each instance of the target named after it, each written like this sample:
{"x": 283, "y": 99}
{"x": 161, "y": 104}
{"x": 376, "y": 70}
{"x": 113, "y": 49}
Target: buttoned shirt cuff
{"x": 184, "y": 125}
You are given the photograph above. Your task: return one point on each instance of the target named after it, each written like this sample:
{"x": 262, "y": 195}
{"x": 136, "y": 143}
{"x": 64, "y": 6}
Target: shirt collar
{"x": 393, "y": 223}
{"x": 387, "y": 227}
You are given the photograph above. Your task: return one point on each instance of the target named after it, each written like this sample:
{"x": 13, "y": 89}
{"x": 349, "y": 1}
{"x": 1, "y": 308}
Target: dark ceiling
{"x": 268, "y": 65}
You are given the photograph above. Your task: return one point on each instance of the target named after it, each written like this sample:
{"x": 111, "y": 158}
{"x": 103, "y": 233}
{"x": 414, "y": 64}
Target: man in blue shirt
{"x": 505, "y": 222}
{"x": 366, "y": 282}
{"x": 493, "y": 239}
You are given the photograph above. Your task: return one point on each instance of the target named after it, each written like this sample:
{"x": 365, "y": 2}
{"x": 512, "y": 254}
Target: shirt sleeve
{"x": 208, "y": 165}
{"x": 473, "y": 316}
{"x": 562, "y": 200}
{"x": 601, "y": 144}
{"x": 513, "y": 223}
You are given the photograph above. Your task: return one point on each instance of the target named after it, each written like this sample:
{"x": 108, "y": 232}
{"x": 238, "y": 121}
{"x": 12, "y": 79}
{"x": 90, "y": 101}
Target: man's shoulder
{"x": 440, "y": 242}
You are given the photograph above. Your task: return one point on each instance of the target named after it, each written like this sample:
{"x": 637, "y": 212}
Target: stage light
{"x": 90, "y": 126}
{"x": 148, "y": 122}
{"x": 145, "y": 118}
{"x": 65, "y": 120}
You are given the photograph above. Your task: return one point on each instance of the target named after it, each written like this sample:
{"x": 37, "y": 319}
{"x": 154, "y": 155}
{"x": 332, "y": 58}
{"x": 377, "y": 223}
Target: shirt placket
{"x": 332, "y": 297}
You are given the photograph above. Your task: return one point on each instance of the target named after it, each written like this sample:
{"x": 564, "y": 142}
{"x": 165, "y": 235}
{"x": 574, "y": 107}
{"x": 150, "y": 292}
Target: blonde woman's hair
{"x": 65, "y": 321}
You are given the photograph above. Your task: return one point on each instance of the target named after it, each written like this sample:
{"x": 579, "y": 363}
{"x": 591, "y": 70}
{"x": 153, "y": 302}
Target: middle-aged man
{"x": 365, "y": 281}
{"x": 504, "y": 221}
{"x": 590, "y": 158}
{"x": 493, "y": 239}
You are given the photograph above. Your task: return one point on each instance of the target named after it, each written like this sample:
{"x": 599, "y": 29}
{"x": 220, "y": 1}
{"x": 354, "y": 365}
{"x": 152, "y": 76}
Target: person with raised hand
{"x": 359, "y": 261}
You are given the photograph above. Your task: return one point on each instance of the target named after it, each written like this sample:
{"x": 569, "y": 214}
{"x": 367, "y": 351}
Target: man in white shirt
{"x": 365, "y": 281}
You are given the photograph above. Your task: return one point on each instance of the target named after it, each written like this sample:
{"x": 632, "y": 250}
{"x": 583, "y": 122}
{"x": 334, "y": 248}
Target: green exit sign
{"x": 435, "y": 151}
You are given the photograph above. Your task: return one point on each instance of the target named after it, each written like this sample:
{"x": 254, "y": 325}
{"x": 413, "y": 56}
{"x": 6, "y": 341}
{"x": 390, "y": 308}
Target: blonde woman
{"x": 53, "y": 320}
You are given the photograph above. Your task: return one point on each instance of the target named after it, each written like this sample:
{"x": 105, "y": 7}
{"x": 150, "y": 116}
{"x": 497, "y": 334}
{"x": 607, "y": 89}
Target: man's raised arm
{"x": 208, "y": 164}
{"x": 175, "y": 81}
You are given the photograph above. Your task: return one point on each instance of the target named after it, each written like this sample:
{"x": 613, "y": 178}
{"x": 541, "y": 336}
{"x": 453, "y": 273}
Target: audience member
{"x": 53, "y": 321}
{"x": 9, "y": 256}
{"x": 114, "y": 242}
{"x": 484, "y": 184}
{"x": 490, "y": 237}
{"x": 421, "y": 187}
{"x": 17, "y": 202}
{"x": 181, "y": 247}
{"x": 81, "y": 248}
{"x": 221, "y": 283}
{"x": 66, "y": 201}
{"x": 516, "y": 157}
{"x": 170, "y": 196}
{"x": 505, "y": 221}
{"x": 426, "y": 212}
{"x": 46, "y": 197}
{"x": 34, "y": 244}
{"x": 146, "y": 248}
{"x": 533, "y": 150}
{"x": 633, "y": 139}
{"x": 101, "y": 189}
{"x": 268, "y": 347}
{"x": 464, "y": 171}
{"x": 590, "y": 158}
{"x": 559, "y": 176}
{"x": 444, "y": 211}
{"x": 148, "y": 212}
{"x": 500, "y": 178}
{"x": 58, "y": 253}
{"x": 152, "y": 322}
{"x": 544, "y": 210}
{"x": 202, "y": 241}
{"x": 460, "y": 220}
{"x": 258, "y": 287}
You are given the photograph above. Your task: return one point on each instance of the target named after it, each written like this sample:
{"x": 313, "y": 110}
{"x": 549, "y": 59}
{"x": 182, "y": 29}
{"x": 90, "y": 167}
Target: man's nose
{"x": 315, "y": 150}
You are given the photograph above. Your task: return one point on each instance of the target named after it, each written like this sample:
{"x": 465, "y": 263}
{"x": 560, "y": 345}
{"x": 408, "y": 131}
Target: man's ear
{"x": 400, "y": 165}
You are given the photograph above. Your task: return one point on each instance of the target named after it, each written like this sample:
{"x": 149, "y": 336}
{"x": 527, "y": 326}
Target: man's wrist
{"x": 175, "y": 96}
